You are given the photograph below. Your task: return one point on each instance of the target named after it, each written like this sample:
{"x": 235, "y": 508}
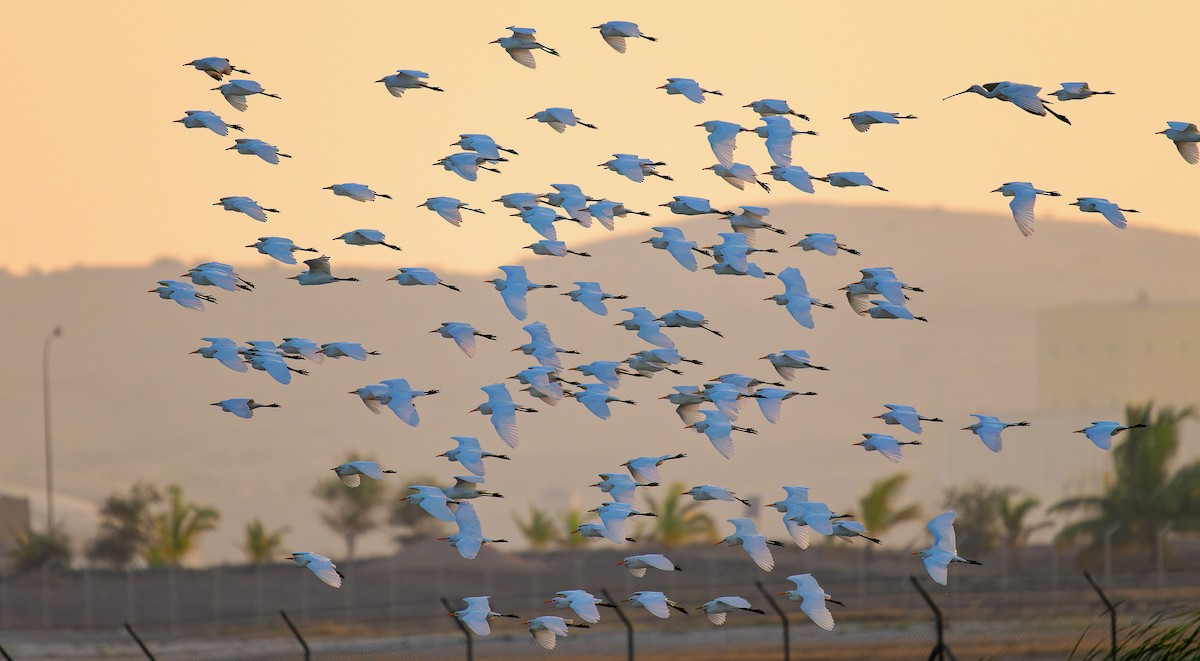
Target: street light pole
{"x": 46, "y": 427}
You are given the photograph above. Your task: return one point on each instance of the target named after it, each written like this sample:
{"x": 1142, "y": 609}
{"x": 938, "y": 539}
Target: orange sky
{"x": 100, "y": 175}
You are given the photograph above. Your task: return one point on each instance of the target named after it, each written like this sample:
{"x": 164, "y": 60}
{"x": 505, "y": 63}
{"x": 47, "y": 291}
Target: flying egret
{"x": 800, "y": 517}
{"x": 549, "y": 248}
{"x": 1101, "y": 432}
{"x": 475, "y": 616}
{"x": 242, "y": 407}
{"x": 750, "y": 220}
{"x": 606, "y": 211}
{"x": 795, "y": 175}
{"x": 645, "y": 469}
{"x": 591, "y": 296}
{"x": 469, "y": 538}
{"x": 448, "y": 208}
{"x": 608, "y": 372}
{"x": 247, "y": 206}
{"x": 655, "y": 602}
{"x": 369, "y": 395}
{"x": 687, "y": 87}
{"x": 612, "y": 520}
{"x": 433, "y": 500}
{"x": 582, "y": 602}
{"x": 1023, "y": 196}
{"x": 503, "y": 412}
{"x": 770, "y": 401}
{"x": 410, "y": 276}
{"x": 399, "y": 396}
{"x": 346, "y": 350}
{"x": 236, "y": 91}
{"x": 513, "y": 289}
{"x": 542, "y": 220}
{"x": 521, "y": 44}
{"x": 824, "y": 243}
{"x": 406, "y": 79}
{"x": 547, "y": 629}
{"x": 465, "y": 488}
{"x": 271, "y": 361}
{"x": 559, "y": 119}
{"x": 778, "y": 133}
{"x": 745, "y": 534}
{"x": 470, "y": 454}
{"x": 215, "y": 67}
{"x": 638, "y": 564}
{"x": 218, "y": 274}
{"x": 224, "y": 351}
{"x": 182, "y": 293}
{"x": 888, "y": 310}
{"x": 482, "y": 144}
{"x": 812, "y": 598}
{"x": 615, "y": 33}
{"x": 318, "y": 273}
{"x": 279, "y": 248}
{"x": 321, "y": 567}
{"x": 738, "y": 175}
{"x": 572, "y": 199}
{"x": 988, "y": 430}
{"x": 365, "y": 237}
{"x": 944, "y": 550}
{"x": 351, "y": 472}
{"x": 634, "y": 168}
{"x": 795, "y": 297}
{"x": 1076, "y": 91}
{"x": 905, "y": 416}
{"x": 722, "y": 138}
{"x": 769, "y": 107}
{"x": 849, "y": 529}
{"x": 709, "y": 492}
{"x": 1112, "y": 212}
{"x": 206, "y": 119}
{"x": 463, "y": 334}
{"x": 467, "y": 164}
{"x": 788, "y": 361}
{"x": 647, "y": 326}
{"x": 885, "y": 445}
{"x": 718, "y": 428}
{"x": 687, "y": 319}
{"x": 356, "y": 192}
{"x": 254, "y": 147}
{"x": 863, "y": 120}
{"x": 620, "y": 487}
{"x": 717, "y": 608}
{"x": 596, "y": 397}
{"x": 674, "y": 242}
{"x": 1022, "y": 96}
{"x": 849, "y": 180}
{"x": 686, "y": 205}
{"x": 595, "y": 531}
{"x": 1185, "y": 135}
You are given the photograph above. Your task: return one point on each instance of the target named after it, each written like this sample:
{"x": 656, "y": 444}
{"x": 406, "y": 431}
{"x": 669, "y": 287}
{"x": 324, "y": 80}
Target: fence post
{"x": 624, "y": 620}
{"x": 4, "y": 654}
{"x": 296, "y": 633}
{"x": 939, "y": 651}
{"x": 787, "y": 626}
{"x": 138, "y": 640}
{"x": 1161, "y": 552}
{"x": 463, "y": 628}
{"x": 1108, "y": 533}
{"x": 1112, "y": 614}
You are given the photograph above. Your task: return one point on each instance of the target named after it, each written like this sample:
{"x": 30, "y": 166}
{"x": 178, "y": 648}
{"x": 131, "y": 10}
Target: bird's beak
{"x": 719, "y": 543}
{"x": 965, "y": 429}
{"x": 1073, "y": 204}
{"x": 690, "y": 427}
{"x": 1163, "y": 132}
{"x": 915, "y": 553}
{"x": 494, "y": 42}
{"x": 531, "y": 117}
{"x": 661, "y": 87}
{"x": 996, "y": 191}
{"x": 181, "y": 121}
{"x": 858, "y": 443}
{"x": 782, "y": 593}
{"x": 665, "y": 204}
{"x": 956, "y": 94}
{"x": 233, "y": 147}
{"x": 393, "y": 278}
{"x": 1077, "y": 431}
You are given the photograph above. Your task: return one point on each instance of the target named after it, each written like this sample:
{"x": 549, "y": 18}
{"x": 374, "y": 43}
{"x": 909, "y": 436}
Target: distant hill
{"x": 131, "y": 404}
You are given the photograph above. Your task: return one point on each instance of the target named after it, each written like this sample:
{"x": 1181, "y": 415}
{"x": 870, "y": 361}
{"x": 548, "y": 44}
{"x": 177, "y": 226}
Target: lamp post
{"x": 56, "y": 332}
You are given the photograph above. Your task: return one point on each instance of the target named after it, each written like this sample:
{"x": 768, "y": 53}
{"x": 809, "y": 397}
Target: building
{"x": 1101, "y": 357}
{"x": 14, "y": 522}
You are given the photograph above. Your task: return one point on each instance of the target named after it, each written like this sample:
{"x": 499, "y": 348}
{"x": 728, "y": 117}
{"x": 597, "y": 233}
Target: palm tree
{"x": 177, "y": 529}
{"x": 35, "y": 550}
{"x": 1013, "y": 511}
{"x": 539, "y": 529}
{"x": 350, "y": 512}
{"x": 1141, "y": 495}
{"x": 678, "y": 523}
{"x": 261, "y": 546}
{"x": 877, "y": 507}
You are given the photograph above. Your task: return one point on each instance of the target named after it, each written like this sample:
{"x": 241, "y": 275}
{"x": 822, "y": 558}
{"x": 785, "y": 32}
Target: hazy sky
{"x": 100, "y": 175}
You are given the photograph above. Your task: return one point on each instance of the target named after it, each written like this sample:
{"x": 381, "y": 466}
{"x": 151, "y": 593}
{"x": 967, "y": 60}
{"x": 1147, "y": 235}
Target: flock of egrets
{"x": 711, "y": 409}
